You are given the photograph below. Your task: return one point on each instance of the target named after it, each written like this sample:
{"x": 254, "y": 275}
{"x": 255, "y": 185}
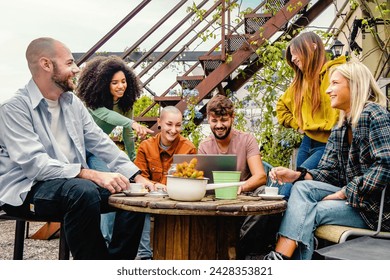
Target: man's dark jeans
{"x": 78, "y": 203}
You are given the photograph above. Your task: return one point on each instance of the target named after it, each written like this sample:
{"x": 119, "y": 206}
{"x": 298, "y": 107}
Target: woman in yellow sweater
{"x": 305, "y": 106}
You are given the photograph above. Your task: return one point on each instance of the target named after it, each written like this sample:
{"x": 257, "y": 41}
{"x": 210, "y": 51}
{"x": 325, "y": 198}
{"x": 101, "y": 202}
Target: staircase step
{"x": 164, "y": 101}
{"x": 234, "y": 42}
{"x": 149, "y": 121}
{"x": 210, "y": 62}
{"x": 253, "y": 22}
{"x": 189, "y": 82}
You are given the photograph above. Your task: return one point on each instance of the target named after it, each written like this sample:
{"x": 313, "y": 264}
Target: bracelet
{"x": 303, "y": 174}
{"x": 132, "y": 178}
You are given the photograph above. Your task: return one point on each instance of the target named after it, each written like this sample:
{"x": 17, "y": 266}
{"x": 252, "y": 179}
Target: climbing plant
{"x": 256, "y": 112}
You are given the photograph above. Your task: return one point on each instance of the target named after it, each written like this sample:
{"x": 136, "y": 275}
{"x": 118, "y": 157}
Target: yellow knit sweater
{"x": 317, "y": 126}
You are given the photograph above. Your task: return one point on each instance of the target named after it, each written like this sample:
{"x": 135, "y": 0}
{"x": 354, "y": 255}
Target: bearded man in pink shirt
{"x": 227, "y": 140}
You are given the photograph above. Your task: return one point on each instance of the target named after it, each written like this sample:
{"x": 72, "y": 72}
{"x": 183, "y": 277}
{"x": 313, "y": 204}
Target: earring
{"x": 158, "y": 127}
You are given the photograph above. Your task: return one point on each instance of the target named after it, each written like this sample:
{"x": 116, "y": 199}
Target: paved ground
{"x": 38, "y": 249}
{"x": 33, "y": 249}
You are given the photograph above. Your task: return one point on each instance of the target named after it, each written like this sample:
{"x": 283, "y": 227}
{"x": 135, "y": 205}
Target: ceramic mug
{"x": 136, "y": 188}
{"x": 271, "y": 190}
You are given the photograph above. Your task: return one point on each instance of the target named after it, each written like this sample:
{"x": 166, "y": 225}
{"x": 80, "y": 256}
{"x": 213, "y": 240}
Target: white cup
{"x": 136, "y": 188}
{"x": 271, "y": 190}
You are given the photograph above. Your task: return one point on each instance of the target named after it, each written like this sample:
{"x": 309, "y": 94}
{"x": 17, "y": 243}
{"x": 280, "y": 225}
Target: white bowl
{"x": 186, "y": 189}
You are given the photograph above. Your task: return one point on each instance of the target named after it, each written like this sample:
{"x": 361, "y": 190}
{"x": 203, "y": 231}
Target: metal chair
{"x": 20, "y": 230}
{"x": 373, "y": 243}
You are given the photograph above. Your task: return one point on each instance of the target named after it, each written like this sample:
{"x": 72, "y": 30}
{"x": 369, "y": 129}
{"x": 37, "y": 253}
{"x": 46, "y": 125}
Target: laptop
{"x": 210, "y": 163}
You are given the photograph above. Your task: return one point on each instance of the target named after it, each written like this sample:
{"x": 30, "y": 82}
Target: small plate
{"x": 158, "y": 193}
{"x": 127, "y": 193}
{"x": 271, "y": 196}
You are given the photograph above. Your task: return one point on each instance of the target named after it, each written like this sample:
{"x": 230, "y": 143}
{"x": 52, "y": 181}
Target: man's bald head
{"x": 169, "y": 109}
{"x": 38, "y": 48}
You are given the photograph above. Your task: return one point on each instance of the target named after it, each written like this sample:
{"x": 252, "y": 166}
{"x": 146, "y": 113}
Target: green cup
{"x": 226, "y": 177}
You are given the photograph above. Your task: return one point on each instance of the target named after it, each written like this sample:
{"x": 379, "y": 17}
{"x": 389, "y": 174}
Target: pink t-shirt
{"x": 242, "y": 144}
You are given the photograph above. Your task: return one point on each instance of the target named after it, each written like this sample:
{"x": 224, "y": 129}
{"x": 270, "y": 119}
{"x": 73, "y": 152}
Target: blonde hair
{"x": 363, "y": 89}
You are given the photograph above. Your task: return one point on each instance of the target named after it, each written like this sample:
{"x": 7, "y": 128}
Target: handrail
{"x": 112, "y": 32}
{"x": 189, "y": 15}
{"x": 196, "y": 63}
{"x": 181, "y": 37}
{"x": 154, "y": 28}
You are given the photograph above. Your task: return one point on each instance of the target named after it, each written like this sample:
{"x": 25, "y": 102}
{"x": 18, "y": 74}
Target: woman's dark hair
{"x": 94, "y": 83}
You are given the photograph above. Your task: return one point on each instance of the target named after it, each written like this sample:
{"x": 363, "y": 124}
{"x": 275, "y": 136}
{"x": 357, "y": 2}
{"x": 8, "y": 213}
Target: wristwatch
{"x": 132, "y": 178}
{"x": 303, "y": 174}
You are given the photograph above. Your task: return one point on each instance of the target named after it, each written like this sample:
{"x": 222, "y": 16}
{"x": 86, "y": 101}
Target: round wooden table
{"x": 206, "y": 229}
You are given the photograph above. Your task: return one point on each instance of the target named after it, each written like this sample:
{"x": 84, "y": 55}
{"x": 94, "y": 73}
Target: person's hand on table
{"x": 141, "y": 130}
{"x": 159, "y": 186}
{"x": 241, "y": 189}
{"x": 114, "y": 182}
{"x": 145, "y": 182}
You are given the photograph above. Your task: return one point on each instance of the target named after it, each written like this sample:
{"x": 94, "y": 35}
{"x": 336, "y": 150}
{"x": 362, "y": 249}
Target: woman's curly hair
{"x": 94, "y": 83}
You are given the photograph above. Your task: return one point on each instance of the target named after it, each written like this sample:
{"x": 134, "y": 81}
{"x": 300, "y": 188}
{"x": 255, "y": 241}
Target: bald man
{"x": 155, "y": 156}
{"x": 45, "y": 131}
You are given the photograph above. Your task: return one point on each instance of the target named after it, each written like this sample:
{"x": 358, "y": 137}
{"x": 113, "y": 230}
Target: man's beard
{"x": 224, "y": 136}
{"x": 61, "y": 82}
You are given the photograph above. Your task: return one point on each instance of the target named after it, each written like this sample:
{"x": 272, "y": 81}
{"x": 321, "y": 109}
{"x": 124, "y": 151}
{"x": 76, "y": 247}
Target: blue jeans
{"x": 144, "y": 249}
{"x": 306, "y": 211}
{"x": 310, "y": 153}
{"x": 79, "y": 203}
{"x": 107, "y": 219}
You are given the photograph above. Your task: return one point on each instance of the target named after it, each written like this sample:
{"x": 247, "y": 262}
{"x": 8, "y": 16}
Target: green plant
{"x": 192, "y": 117}
{"x": 142, "y": 103}
{"x": 276, "y": 142}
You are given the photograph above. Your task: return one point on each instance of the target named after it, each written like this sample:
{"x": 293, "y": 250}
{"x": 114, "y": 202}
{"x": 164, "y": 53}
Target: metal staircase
{"x": 268, "y": 19}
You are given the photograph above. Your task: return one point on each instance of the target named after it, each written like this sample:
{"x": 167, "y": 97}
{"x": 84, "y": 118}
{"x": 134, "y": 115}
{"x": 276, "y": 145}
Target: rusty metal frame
{"x": 112, "y": 32}
{"x": 212, "y": 50}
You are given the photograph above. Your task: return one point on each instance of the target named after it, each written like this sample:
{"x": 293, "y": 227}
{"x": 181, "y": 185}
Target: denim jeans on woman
{"x": 79, "y": 203}
{"x": 107, "y": 219}
{"x": 306, "y": 211}
{"x": 309, "y": 155}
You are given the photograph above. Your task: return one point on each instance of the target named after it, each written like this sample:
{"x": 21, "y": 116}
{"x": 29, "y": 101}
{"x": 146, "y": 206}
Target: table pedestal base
{"x": 195, "y": 237}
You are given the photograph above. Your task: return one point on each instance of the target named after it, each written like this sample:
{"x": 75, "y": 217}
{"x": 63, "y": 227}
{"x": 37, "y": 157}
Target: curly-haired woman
{"x": 109, "y": 89}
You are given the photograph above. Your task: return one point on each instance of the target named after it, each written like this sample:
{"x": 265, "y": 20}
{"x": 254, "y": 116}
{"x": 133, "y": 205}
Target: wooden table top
{"x": 208, "y": 206}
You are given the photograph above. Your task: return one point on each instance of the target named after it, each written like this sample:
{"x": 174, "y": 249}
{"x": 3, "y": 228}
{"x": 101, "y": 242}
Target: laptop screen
{"x": 210, "y": 163}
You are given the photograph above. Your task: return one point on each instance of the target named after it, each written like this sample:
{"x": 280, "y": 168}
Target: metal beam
{"x": 135, "y": 56}
{"x": 173, "y": 30}
{"x": 112, "y": 32}
{"x": 154, "y": 28}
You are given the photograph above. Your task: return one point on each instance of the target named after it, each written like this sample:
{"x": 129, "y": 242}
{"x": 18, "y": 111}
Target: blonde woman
{"x": 345, "y": 188}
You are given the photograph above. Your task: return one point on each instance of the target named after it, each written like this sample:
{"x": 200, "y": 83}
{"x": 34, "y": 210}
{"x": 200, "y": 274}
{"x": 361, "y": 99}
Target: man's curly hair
{"x": 220, "y": 105}
{"x": 94, "y": 83}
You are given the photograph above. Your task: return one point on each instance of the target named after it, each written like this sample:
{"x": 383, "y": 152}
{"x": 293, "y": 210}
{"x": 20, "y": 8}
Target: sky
{"x": 79, "y": 24}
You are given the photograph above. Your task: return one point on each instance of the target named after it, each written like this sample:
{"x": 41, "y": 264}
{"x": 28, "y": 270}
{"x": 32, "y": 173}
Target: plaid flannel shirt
{"x": 362, "y": 167}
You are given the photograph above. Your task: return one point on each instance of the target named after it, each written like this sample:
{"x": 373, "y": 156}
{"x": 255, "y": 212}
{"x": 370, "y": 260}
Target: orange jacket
{"x": 154, "y": 162}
